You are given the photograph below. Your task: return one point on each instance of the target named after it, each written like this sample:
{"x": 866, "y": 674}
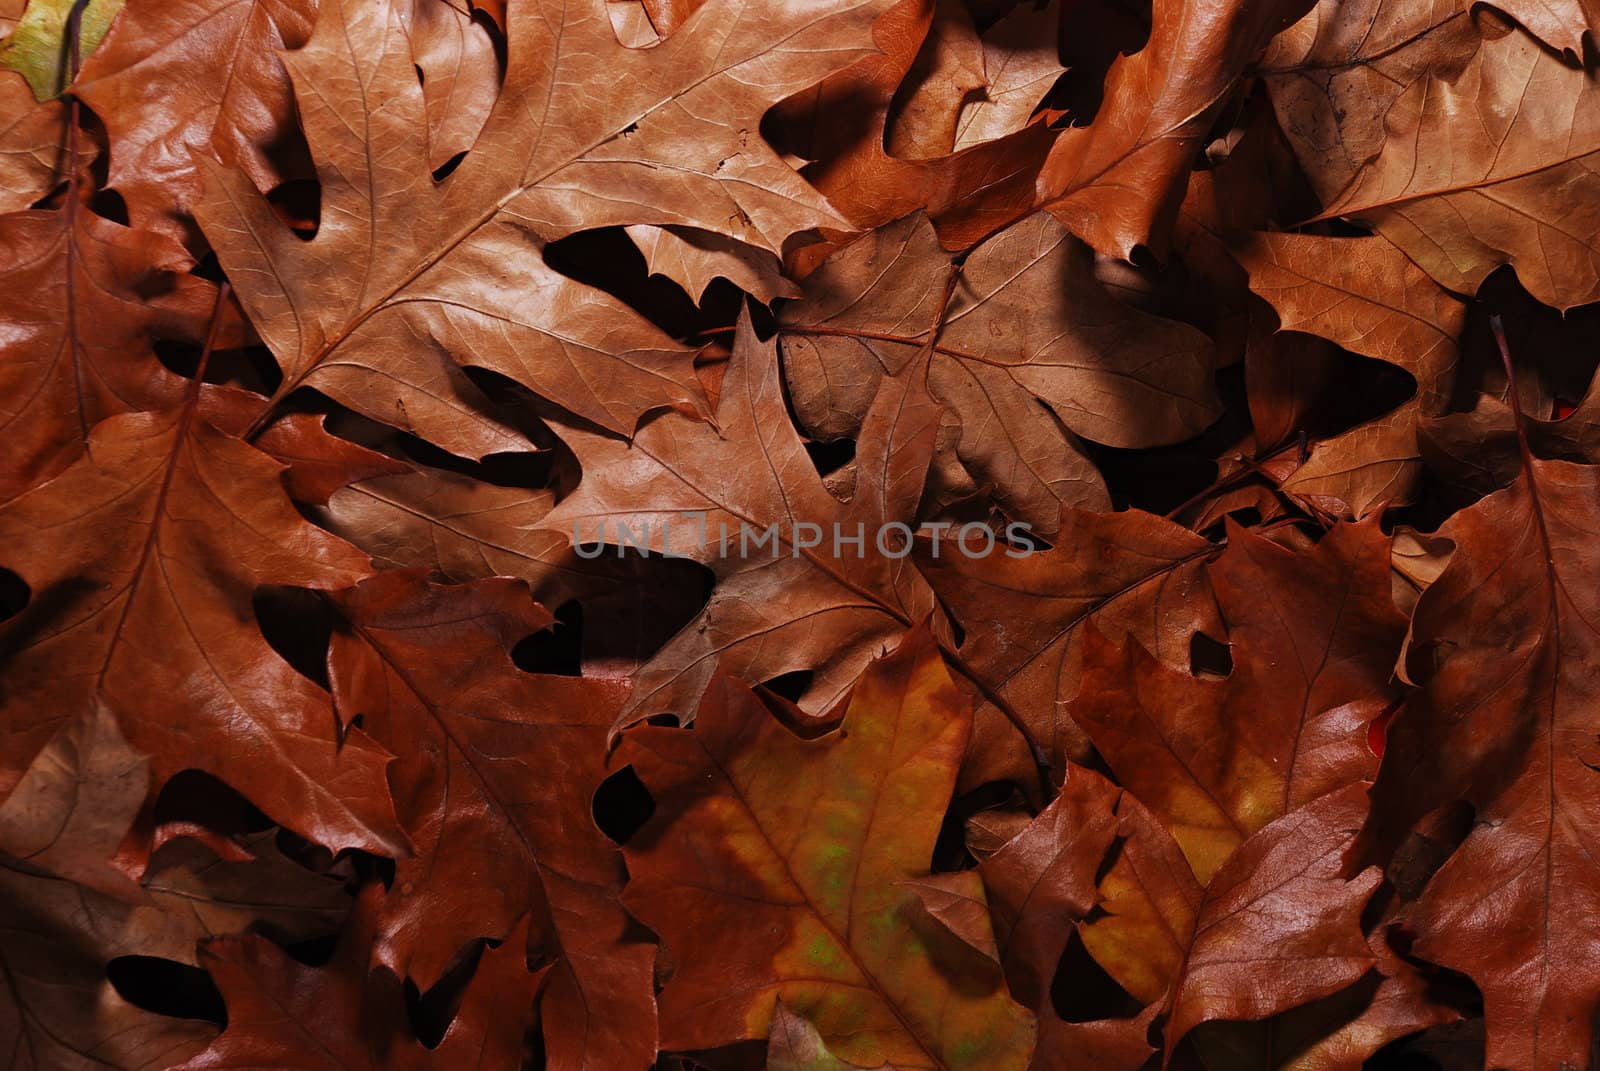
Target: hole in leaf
{"x": 556, "y": 650}
{"x": 14, "y": 594}
{"x": 1209, "y": 657}
{"x": 1082, "y": 991}
{"x": 446, "y": 169}
{"x": 431, "y": 1013}
{"x": 622, "y": 805}
{"x": 297, "y": 624}
{"x": 791, "y": 685}
{"x": 166, "y": 987}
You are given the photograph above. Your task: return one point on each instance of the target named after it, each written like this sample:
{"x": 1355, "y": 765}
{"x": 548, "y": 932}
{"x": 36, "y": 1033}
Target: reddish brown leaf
{"x": 474, "y": 736}
{"x": 712, "y": 492}
{"x": 804, "y": 898}
{"x": 349, "y": 1017}
{"x": 143, "y": 559}
{"x": 85, "y": 301}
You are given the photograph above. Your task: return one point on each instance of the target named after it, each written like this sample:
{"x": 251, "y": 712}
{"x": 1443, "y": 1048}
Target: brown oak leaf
{"x": 452, "y": 271}
{"x": 1314, "y": 636}
{"x": 142, "y": 560}
{"x": 734, "y": 497}
{"x": 427, "y": 669}
{"x": 801, "y": 886}
{"x": 1030, "y": 341}
{"x": 348, "y": 1016}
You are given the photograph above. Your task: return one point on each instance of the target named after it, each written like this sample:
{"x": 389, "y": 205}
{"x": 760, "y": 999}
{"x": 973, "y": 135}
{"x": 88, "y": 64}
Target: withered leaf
{"x": 177, "y": 78}
{"x": 1117, "y": 182}
{"x": 349, "y": 1017}
{"x": 731, "y": 497}
{"x": 1130, "y": 573}
{"x": 452, "y": 271}
{"x": 32, "y": 143}
{"x": 142, "y": 560}
{"x": 473, "y": 735}
{"x": 1507, "y": 681}
{"x": 1030, "y": 338}
{"x": 1315, "y": 636}
{"x": 1367, "y": 296}
{"x": 1460, "y": 138}
{"x": 802, "y": 890}
{"x": 90, "y": 299}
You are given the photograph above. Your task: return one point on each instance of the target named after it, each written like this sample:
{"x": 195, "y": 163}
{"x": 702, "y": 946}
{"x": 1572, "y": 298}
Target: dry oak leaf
{"x": 460, "y": 73}
{"x": 1020, "y": 64}
{"x": 1367, "y": 296}
{"x": 427, "y": 668}
{"x": 947, "y": 72}
{"x": 735, "y": 497}
{"x": 32, "y": 143}
{"x": 1279, "y": 925}
{"x": 262, "y": 890}
{"x": 176, "y": 77}
{"x": 1042, "y": 889}
{"x": 142, "y": 561}
{"x": 795, "y": 1045}
{"x": 349, "y": 1016}
{"x": 1461, "y": 139}
{"x": 1561, "y": 24}
{"x": 460, "y": 529}
{"x": 84, "y": 300}
{"x": 74, "y": 807}
{"x": 65, "y": 921}
{"x": 1131, "y": 573}
{"x": 1118, "y": 182}
{"x": 452, "y": 270}
{"x": 695, "y": 259}
{"x": 842, "y": 127}
{"x": 1314, "y": 636}
{"x": 787, "y": 854}
{"x": 1509, "y": 681}
{"x": 75, "y": 802}
{"x": 58, "y": 1010}
{"x": 172, "y": 79}
{"x": 1029, "y": 341}
{"x": 1337, "y": 1033}
{"x": 1479, "y": 449}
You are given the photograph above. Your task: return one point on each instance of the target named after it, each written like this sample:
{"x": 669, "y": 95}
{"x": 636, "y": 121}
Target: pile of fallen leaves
{"x": 389, "y": 390}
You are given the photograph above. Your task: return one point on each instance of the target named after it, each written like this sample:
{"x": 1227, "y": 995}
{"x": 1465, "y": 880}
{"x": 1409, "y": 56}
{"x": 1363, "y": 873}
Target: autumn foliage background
{"x": 326, "y": 326}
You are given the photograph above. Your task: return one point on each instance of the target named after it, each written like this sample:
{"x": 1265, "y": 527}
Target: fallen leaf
{"x": 1314, "y": 638}
{"x": 1459, "y": 138}
{"x": 731, "y": 497}
{"x": 1029, "y": 338}
{"x": 1130, "y": 573}
{"x": 471, "y": 742}
{"x": 142, "y": 560}
{"x": 284, "y": 1014}
{"x": 553, "y": 158}
{"x": 805, "y": 897}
